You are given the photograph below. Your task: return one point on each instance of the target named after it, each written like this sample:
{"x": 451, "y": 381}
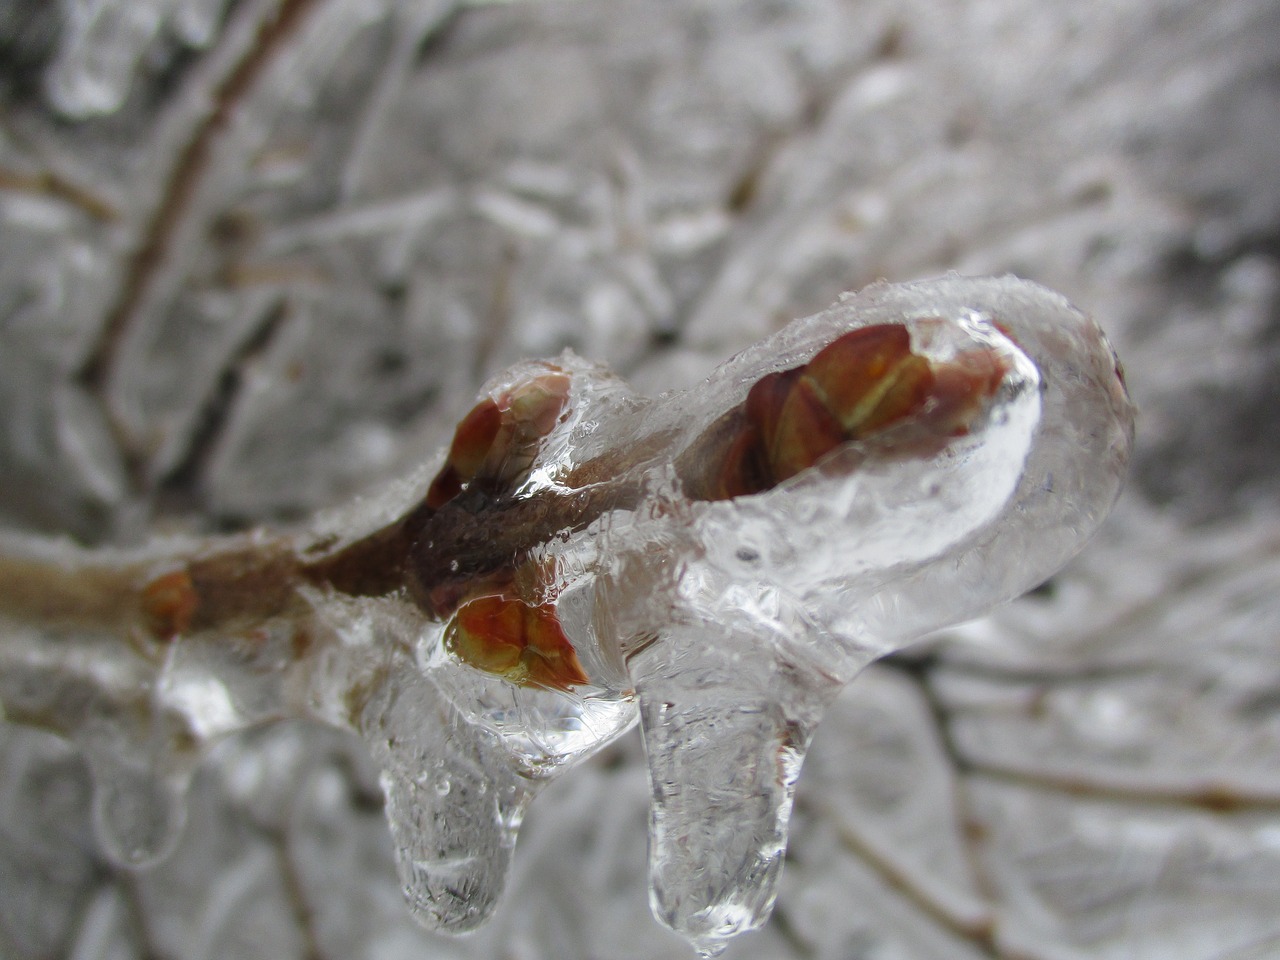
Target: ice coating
{"x": 763, "y": 607}
{"x": 718, "y": 563}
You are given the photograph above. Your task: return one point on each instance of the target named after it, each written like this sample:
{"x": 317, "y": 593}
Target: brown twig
{"x": 1212, "y": 796}
{"x": 51, "y": 184}
{"x": 183, "y": 182}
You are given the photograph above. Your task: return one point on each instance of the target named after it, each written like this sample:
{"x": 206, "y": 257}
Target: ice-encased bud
{"x": 462, "y": 752}
{"x": 741, "y": 619}
{"x": 730, "y": 556}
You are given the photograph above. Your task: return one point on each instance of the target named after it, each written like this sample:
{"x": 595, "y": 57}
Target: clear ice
{"x": 625, "y": 588}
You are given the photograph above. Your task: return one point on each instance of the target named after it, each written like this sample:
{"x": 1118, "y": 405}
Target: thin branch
{"x": 303, "y": 912}
{"x": 1214, "y": 797}
{"x": 135, "y": 908}
{"x": 981, "y": 934}
{"x": 49, "y": 183}
{"x": 184, "y": 180}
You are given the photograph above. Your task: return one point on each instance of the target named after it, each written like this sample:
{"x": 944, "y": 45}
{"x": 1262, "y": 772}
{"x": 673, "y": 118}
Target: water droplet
{"x": 138, "y": 814}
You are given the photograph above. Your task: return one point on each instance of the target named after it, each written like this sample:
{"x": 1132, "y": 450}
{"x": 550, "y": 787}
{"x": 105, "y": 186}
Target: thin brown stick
{"x": 51, "y": 184}
{"x": 181, "y": 187}
{"x": 1213, "y": 796}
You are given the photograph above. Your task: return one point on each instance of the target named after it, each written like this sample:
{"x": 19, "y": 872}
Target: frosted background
{"x": 256, "y": 255}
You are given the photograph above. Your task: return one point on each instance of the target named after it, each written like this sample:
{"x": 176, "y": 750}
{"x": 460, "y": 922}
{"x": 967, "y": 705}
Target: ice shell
{"x": 743, "y": 617}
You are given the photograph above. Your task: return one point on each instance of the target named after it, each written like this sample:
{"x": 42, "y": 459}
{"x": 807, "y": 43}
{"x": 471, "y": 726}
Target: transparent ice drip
{"x": 726, "y": 625}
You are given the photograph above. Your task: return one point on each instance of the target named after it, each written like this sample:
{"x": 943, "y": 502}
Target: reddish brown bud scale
{"x": 519, "y": 641}
{"x": 552, "y": 661}
{"x": 860, "y": 384}
{"x": 869, "y": 379}
{"x": 803, "y": 429}
{"x": 488, "y": 633}
{"x": 742, "y": 472}
{"x": 169, "y": 604}
{"x": 497, "y": 441}
{"x": 960, "y": 388}
{"x": 472, "y": 440}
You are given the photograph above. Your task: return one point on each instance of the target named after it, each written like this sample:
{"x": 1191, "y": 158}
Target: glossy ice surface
{"x": 635, "y": 584}
{"x": 295, "y": 254}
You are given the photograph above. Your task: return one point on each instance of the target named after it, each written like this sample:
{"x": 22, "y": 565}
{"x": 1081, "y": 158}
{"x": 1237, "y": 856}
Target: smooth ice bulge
{"x": 716, "y": 563}
{"x": 756, "y": 610}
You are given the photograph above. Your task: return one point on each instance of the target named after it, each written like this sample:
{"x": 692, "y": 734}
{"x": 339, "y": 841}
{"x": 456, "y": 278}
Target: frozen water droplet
{"x": 453, "y": 845}
{"x": 138, "y": 813}
{"x": 726, "y": 723}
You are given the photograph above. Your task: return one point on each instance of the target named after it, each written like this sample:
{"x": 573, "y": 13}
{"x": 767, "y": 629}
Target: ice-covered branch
{"x": 717, "y": 562}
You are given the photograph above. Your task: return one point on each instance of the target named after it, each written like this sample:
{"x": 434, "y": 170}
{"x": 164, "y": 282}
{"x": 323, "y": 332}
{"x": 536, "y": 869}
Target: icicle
{"x": 454, "y": 803}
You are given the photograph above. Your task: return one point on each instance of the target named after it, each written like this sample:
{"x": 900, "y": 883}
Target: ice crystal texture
{"x": 726, "y": 623}
{"x": 296, "y": 250}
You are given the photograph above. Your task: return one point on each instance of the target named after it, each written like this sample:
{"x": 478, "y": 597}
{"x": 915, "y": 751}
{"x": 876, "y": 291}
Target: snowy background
{"x": 256, "y": 256}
